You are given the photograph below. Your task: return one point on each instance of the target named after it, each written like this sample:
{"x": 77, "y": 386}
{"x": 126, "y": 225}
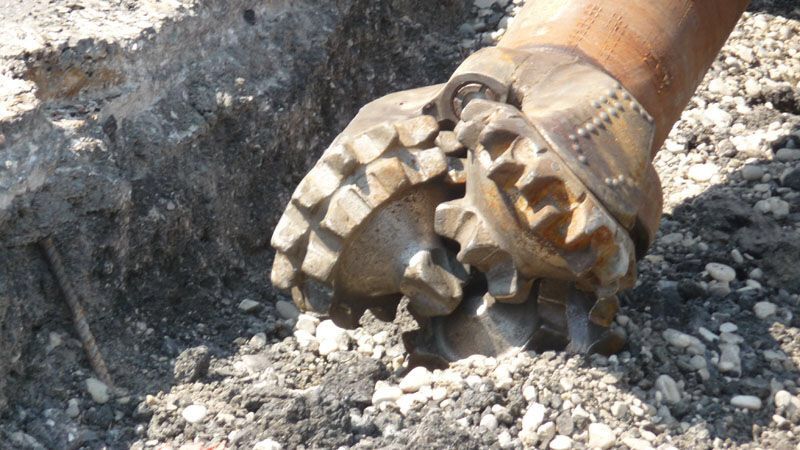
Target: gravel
{"x": 712, "y": 325}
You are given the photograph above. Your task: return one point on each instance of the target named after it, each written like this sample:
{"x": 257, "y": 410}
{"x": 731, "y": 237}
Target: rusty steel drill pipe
{"x": 509, "y": 204}
{"x": 659, "y": 50}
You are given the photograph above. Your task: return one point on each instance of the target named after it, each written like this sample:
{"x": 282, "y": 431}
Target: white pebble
{"x": 529, "y": 393}
{"x": 637, "y": 444}
{"x": 728, "y": 327}
{"x": 194, "y": 413}
{"x": 764, "y": 309}
{"x": 746, "y": 401}
{"x": 702, "y": 172}
{"x": 782, "y": 399}
{"x": 677, "y": 338}
{"x": 533, "y": 417}
{"x": 721, "y": 272}
{"x": 268, "y": 444}
{"x": 561, "y": 442}
{"x": 307, "y": 323}
{"x": 331, "y": 338}
{"x": 601, "y": 436}
{"x": 98, "y": 390}
{"x": 504, "y": 439}
{"x": 415, "y": 379}
{"x": 774, "y": 205}
{"x": 385, "y": 393}
{"x": 668, "y": 388}
{"x": 489, "y": 422}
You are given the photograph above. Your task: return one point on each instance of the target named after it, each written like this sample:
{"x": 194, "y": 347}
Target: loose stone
{"x": 249, "y": 306}
{"x": 561, "y": 442}
{"x": 721, "y": 272}
{"x": 415, "y": 379}
{"x": 97, "y": 390}
{"x": 194, "y": 413}
{"x": 287, "y": 310}
{"x": 750, "y": 402}
{"x": 533, "y": 417}
{"x": 385, "y": 393}
{"x": 668, "y": 388}
{"x": 763, "y": 310}
{"x": 601, "y": 436}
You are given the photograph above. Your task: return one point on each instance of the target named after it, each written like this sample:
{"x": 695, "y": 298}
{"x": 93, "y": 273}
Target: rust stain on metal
{"x": 72, "y": 299}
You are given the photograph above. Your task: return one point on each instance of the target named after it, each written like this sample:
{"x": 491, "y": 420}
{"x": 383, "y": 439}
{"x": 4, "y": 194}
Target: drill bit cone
{"x": 358, "y": 233}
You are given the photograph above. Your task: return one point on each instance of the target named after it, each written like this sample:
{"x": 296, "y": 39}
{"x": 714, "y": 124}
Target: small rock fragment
{"x": 637, "y": 444}
{"x": 750, "y": 402}
{"x": 73, "y": 408}
{"x": 763, "y": 310}
{"x": 752, "y": 173}
{"x": 415, "y": 379}
{"x": 268, "y": 444}
{"x": 287, "y": 310}
{"x": 331, "y": 338}
{"x": 385, "y": 393}
{"x": 721, "y": 272}
{"x": 601, "y": 436}
{"x": 98, "y": 390}
{"x": 702, "y": 172}
{"x": 561, "y": 442}
{"x": 668, "y": 388}
{"x": 489, "y": 421}
{"x": 194, "y": 413}
{"x": 533, "y": 417}
{"x": 249, "y": 306}
{"x": 192, "y": 364}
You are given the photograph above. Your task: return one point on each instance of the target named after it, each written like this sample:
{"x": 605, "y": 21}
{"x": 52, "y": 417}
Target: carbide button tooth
{"x": 340, "y": 159}
{"x": 468, "y": 133}
{"x": 373, "y": 142}
{"x": 430, "y": 163}
{"x": 586, "y": 220}
{"x": 544, "y": 217}
{"x": 505, "y": 170}
{"x": 479, "y": 249}
{"x": 416, "y": 131}
{"x": 346, "y": 211}
{"x": 317, "y": 185}
{"x": 449, "y": 143}
{"x": 450, "y": 219}
{"x": 505, "y": 283}
{"x": 284, "y": 273}
{"x": 431, "y": 287}
{"x": 290, "y": 230}
{"x": 320, "y": 258}
{"x": 384, "y": 178}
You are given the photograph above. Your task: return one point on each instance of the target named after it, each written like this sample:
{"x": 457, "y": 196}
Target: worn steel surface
{"x": 510, "y": 203}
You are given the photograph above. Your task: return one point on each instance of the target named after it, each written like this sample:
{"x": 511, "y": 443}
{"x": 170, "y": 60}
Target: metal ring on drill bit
{"x": 469, "y": 92}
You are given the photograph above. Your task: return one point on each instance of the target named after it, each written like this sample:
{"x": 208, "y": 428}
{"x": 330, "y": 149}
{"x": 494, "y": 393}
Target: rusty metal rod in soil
{"x": 78, "y": 313}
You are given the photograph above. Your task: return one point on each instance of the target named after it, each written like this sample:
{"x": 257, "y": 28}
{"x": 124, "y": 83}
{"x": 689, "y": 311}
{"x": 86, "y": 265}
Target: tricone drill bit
{"x": 509, "y": 204}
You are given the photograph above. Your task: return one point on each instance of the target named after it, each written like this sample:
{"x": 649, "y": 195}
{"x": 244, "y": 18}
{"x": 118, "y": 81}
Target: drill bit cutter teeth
{"x": 366, "y": 208}
{"x": 544, "y": 217}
